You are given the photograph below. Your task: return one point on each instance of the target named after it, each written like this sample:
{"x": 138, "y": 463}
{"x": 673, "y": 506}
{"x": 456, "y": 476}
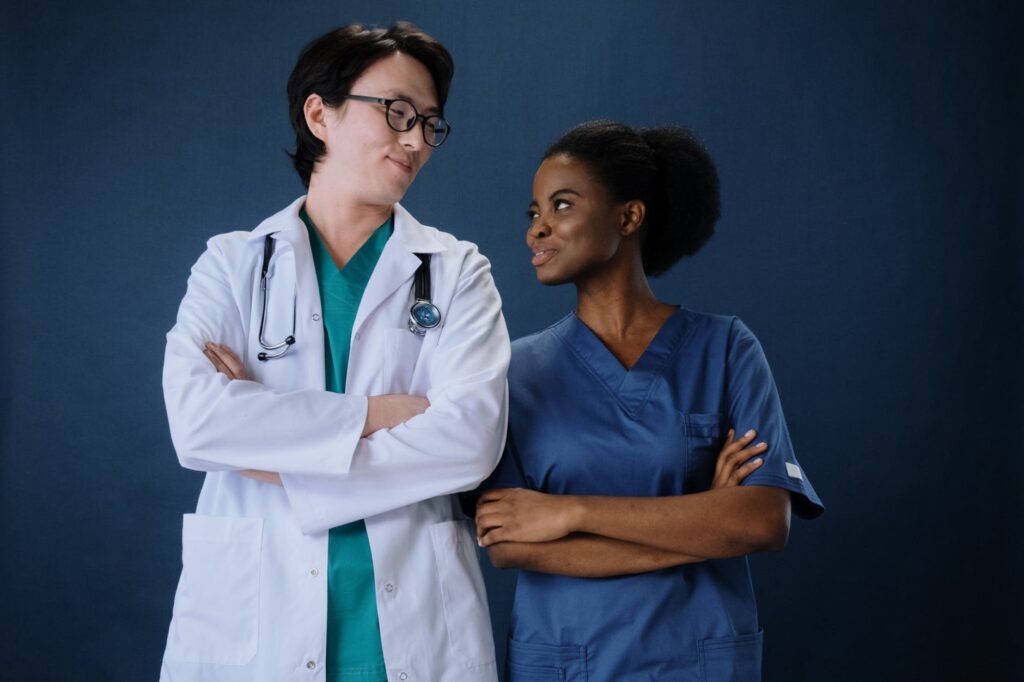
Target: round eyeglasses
{"x": 401, "y": 116}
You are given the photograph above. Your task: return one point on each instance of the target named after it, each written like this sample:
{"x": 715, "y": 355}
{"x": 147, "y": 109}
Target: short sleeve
{"x": 508, "y": 474}
{"x": 753, "y": 403}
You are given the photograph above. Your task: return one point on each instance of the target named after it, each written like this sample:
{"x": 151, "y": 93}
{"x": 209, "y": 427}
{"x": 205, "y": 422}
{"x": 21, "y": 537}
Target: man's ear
{"x": 316, "y": 116}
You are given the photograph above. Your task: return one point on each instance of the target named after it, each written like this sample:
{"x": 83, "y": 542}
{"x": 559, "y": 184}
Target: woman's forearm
{"x": 585, "y": 556}
{"x": 718, "y": 523}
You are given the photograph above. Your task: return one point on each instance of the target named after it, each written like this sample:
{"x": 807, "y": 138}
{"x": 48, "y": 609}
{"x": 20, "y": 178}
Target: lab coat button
{"x": 403, "y": 676}
{"x": 310, "y": 664}
{"x": 316, "y": 317}
{"x": 391, "y": 588}
{"x": 359, "y": 335}
{"x": 314, "y": 573}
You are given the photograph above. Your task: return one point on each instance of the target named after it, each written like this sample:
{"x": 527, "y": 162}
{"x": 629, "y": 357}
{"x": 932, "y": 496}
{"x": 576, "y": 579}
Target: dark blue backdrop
{"x": 871, "y": 236}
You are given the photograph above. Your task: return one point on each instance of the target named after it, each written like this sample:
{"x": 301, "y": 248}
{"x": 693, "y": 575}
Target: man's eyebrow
{"x": 397, "y": 94}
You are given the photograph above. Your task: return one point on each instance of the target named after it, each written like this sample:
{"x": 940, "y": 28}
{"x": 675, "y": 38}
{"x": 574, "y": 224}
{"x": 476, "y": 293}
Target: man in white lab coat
{"x": 326, "y": 543}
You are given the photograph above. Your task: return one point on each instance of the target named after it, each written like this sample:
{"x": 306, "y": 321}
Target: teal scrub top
{"x": 354, "y": 652}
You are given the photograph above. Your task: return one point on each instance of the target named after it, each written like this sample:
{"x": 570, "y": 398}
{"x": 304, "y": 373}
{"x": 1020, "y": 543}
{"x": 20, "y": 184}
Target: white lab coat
{"x": 251, "y": 603}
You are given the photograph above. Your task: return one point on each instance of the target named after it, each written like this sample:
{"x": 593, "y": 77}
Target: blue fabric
{"x": 581, "y": 424}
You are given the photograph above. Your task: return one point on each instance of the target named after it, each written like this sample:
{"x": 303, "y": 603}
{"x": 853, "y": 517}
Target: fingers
{"x": 736, "y": 461}
{"x": 233, "y": 362}
{"x": 217, "y": 363}
{"x": 742, "y": 472}
{"x": 740, "y": 456}
{"x": 270, "y": 477}
{"x": 492, "y": 538}
{"x": 733, "y": 445}
{"x": 492, "y": 495}
{"x": 225, "y": 361}
{"x": 486, "y": 522}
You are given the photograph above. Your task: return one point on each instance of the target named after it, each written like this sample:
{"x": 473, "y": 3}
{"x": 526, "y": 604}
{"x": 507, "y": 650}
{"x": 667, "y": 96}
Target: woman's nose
{"x": 538, "y": 230}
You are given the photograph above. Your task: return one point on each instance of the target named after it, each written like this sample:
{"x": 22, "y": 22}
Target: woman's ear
{"x": 633, "y": 214}
{"x": 316, "y": 116}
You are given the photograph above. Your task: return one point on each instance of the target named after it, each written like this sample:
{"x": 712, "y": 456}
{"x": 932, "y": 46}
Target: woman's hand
{"x": 520, "y": 515}
{"x": 735, "y": 461}
{"x": 225, "y": 361}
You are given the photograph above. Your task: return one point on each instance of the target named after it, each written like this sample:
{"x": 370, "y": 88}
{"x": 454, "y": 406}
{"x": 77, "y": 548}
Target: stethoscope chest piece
{"x": 423, "y": 314}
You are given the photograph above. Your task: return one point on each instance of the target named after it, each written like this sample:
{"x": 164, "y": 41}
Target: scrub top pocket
{"x": 216, "y": 609}
{"x": 731, "y": 659}
{"x": 704, "y": 440}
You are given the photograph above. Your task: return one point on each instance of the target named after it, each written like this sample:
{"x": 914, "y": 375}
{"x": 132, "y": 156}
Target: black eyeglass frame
{"x": 419, "y": 117}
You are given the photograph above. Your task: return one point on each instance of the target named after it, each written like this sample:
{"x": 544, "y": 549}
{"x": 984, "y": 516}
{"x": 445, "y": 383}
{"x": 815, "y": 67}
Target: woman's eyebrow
{"x": 564, "y": 190}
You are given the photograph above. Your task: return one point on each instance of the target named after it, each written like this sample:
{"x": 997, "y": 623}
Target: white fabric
{"x": 251, "y": 602}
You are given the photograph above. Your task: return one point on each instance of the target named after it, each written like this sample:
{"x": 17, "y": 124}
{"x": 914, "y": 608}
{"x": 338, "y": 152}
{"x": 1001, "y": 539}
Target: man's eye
{"x": 400, "y": 110}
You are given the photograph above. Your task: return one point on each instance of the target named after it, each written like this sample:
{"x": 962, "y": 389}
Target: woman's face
{"x": 365, "y": 158}
{"x": 575, "y": 227}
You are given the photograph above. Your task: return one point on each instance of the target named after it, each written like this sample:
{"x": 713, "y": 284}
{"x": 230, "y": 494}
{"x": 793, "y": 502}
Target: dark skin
{"x": 579, "y": 234}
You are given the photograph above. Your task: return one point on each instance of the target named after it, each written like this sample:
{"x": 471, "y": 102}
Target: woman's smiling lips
{"x": 542, "y": 256}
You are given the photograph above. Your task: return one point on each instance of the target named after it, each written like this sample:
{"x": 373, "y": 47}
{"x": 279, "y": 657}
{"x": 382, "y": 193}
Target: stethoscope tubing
{"x": 423, "y": 314}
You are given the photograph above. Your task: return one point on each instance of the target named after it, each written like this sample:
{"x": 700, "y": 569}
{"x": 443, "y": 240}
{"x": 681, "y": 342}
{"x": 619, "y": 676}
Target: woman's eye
{"x": 531, "y": 215}
{"x": 559, "y": 204}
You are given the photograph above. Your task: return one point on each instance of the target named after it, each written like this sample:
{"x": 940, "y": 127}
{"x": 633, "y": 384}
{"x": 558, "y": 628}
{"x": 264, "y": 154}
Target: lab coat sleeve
{"x": 218, "y": 424}
{"x": 508, "y": 474}
{"x": 754, "y": 404}
{"x": 451, "y": 447}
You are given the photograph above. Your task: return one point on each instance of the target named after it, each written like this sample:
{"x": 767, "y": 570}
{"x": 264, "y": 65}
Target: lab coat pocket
{"x": 462, "y": 592}
{"x": 703, "y": 443}
{"x": 731, "y": 659}
{"x": 530, "y": 662}
{"x": 216, "y": 608}
{"x": 401, "y": 352}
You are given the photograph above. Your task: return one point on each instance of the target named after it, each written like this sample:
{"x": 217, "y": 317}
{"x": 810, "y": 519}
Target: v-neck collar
{"x": 631, "y": 388}
{"x": 360, "y": 265}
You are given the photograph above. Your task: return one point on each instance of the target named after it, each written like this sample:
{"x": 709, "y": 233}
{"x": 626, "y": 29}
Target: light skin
{"x": 580, "y": 234}
{"x": 366, "y": 169}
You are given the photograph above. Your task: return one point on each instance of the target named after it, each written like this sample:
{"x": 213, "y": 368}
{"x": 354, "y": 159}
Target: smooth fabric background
{"x": 873, "y": 196}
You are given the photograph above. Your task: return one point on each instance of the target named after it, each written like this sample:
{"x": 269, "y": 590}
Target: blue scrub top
{"x": 581, "y": 424}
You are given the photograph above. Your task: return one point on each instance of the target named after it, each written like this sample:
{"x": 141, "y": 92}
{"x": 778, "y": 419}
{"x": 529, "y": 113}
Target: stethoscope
{"x": 423, "y": 314}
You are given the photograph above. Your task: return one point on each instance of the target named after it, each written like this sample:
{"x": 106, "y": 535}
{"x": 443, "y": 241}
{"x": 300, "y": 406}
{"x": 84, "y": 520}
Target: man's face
{"x": 365, "y": 158}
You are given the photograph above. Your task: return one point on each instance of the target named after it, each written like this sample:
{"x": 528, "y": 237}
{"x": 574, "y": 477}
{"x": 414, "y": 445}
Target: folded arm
{"x": 218, "y": 424}
{"x": 523, "y": 528}
{"x": 451, "y": 447}
{"x": 584, "y": 556}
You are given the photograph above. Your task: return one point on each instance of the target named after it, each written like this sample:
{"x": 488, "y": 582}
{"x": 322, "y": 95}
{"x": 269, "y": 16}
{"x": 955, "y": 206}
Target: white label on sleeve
{"x": 794, "y": 471}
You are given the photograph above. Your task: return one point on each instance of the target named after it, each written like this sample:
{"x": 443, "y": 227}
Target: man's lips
{"x": 404, "y": 165}
{"x": 542, "y": 256}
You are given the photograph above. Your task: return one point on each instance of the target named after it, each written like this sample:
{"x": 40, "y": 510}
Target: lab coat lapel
{"x": 290, "y": 233}
{"x": 397, "y": 264}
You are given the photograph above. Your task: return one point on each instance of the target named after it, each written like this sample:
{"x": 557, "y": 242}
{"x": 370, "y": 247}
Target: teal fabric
{"x": 354, "y": 652}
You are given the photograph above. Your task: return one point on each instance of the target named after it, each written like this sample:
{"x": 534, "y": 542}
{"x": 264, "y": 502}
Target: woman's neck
{"x": 619, "y": 305}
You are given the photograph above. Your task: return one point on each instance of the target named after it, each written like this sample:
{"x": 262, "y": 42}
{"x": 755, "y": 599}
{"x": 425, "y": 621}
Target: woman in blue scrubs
{"x": 618, "y": 495}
